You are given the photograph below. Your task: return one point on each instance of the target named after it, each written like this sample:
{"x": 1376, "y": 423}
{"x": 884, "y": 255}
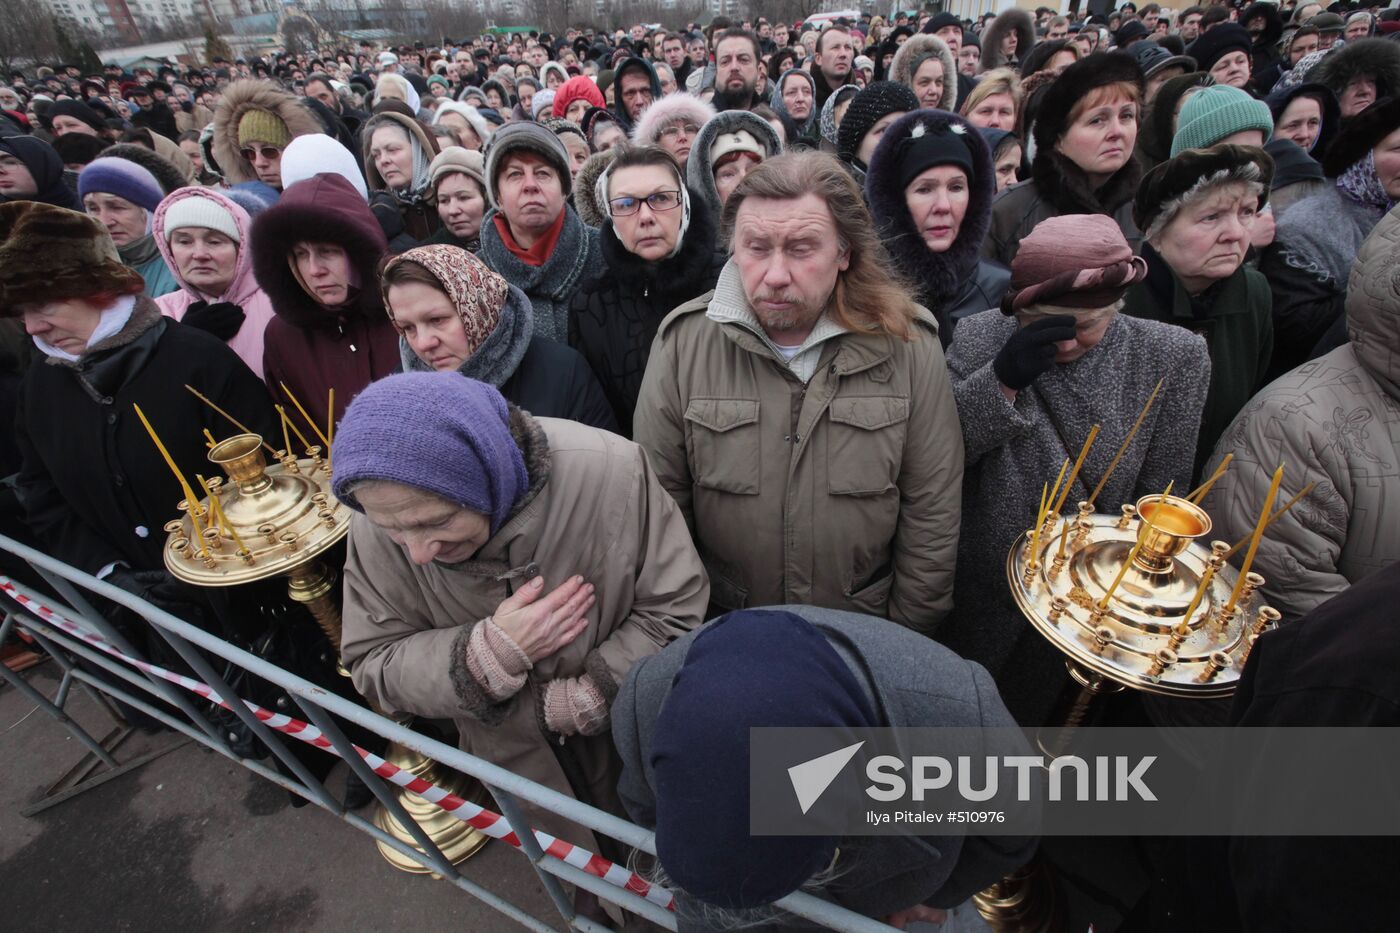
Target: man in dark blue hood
{"x": 635, "y": 86}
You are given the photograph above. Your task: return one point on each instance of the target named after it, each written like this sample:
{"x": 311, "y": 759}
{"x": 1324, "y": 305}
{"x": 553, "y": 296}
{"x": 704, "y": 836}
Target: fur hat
{"x": 530, "y": 137}
{"x": 585, "y": 196}
{"x": 59, "y": 254}
{"x": 1378, "y": 58}
{"x": 913, "y": 53}
{"x": 1076, "y": 82}
{"x": 665, "y": 110}
{"x": 1214, "y": 113}
{"x": 1220, "y": 41}
{"x": 1360, "y": 135}
{"x": 1175, "y": 183}
{"x": 162, "y": 168}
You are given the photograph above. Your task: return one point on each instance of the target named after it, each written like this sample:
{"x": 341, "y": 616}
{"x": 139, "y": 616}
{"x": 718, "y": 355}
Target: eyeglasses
{"x": 268, "y": 152}
{"x": 672, "y": 131}
{"x": 658, "y": 201}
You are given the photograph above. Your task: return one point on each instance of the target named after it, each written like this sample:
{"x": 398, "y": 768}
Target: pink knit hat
{"x": 1073, "y": 261}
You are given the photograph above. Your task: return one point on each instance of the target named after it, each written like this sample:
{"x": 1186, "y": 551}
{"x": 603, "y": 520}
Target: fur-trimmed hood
{"x": 1273, "y": 25}
{"x": 941, "y": 277}
{"x": 648, "y": 128}
{"x": 585, "y": 196}
{"x": 918, "y": 47}
{"x": 1360, "y": 134}
{"x": 698, "y": 175}
{"x": 1379, "y": 58}
{"x": 254, "y": 94}
{"x": 328, "y": 209}
{"x": 1016, "y": 20}
{"x": 165, "y": 171}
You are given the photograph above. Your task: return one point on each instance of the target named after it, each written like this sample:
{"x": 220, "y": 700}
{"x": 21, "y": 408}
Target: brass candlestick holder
{"x": 1137, "y": 601}
{"x": 277, "y": 520}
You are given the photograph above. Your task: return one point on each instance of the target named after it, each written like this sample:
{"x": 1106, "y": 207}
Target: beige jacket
{"x": 594, "y": 508}
{"x": 841, "y": 490}
{"x": 1334, "y": 421}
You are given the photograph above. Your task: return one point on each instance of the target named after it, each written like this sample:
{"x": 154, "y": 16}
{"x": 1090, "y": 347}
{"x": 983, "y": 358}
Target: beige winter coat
{"x": 594, "y": 508}
{"x": 1334, "y": 421}
{"x": 843, "y": 492}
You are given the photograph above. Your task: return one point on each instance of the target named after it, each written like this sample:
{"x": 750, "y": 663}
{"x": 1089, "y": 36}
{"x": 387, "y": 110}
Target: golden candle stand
{"x": 277, "y": 520}
{"x": 1132, "y": 601}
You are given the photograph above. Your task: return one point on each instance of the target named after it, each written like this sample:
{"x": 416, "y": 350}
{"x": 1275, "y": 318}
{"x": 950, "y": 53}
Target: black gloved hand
{"x": 222, "y": 319}
{"x": 1031, "y": 351}
{"x": 156, "y": 587}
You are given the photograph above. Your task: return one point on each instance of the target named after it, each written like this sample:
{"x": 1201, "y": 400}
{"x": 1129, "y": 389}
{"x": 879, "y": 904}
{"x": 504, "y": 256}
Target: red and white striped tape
{"x": 492, "y": 824}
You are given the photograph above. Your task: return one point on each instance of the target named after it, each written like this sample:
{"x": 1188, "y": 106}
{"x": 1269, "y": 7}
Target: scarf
{"x": 139, "y": 252}
{"x": 499, "y": 355}
{"x": 110, "y": 322}
{"x": 538, "y": 254}
{"x": 600, "y": 194}
{"x": 1361, "y": 184}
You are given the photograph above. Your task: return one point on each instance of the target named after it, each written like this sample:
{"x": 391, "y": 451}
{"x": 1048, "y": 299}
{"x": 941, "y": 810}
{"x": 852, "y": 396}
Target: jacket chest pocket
{"x": 865, "y": 444}
{"x": 722, "y": 442}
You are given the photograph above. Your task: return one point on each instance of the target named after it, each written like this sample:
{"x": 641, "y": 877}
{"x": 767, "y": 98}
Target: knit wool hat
{"x": 263, "y": 126}
{"x": 1184, "y": 178}
{"x": 878, "y": 99}
{"x": 574, "y": 89}
{"x": 59, "y": 254}
{"x": 78, "y": 111}
{"x": 542, "y": 100}
{"x": 752, "y": 668}
{"x": 125, "y": 179}
{"x": 439, "y": 432}
{"x": 1152, "y": 59}
{"x": 1073, "y": 261}
{"x": 1221, "y": 40}
{"x": 1213, "y": 113}
{"x": 476, "y": 292}
{"x": 456, "y": 160}
{"x": 200, "y": 212}
{"x": 528, "y": 137}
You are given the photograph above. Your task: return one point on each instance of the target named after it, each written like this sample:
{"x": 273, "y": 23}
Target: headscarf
{"x": 827, "y": 120}
{"x": 47, "y": 168}
{"x": 600, "y": 192}
{"x": 776, "y": 101}
{"x": 1361, "y": 183}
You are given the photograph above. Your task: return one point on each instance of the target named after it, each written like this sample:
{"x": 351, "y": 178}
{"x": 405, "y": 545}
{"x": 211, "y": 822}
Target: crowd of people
{"x": 629, "y": 331}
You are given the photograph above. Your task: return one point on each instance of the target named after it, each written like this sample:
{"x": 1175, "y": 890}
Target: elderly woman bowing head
{"x": 453, "y": 313}
{"x": 506, "y": 572}
{"x": 1030, "y": 384}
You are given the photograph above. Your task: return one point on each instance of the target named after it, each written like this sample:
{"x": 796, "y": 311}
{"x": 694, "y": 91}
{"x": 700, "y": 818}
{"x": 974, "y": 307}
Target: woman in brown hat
{"x": 1030, "y": 382}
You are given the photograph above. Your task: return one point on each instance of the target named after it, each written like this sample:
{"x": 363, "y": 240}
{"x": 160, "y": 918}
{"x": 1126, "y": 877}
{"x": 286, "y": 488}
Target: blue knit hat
{"x": 753, "y": 668}
{"x": 123, "y": 178}
{"x": 1213, "y": 113}
{"x": 439, "y": 432}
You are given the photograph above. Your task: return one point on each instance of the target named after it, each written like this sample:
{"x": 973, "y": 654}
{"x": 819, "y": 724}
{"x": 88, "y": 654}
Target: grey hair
{"x": 1246, "y": 174}
{"x": 730, "y": 920}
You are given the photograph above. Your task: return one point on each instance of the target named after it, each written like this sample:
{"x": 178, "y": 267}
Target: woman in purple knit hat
{"x": 506, "y": 572}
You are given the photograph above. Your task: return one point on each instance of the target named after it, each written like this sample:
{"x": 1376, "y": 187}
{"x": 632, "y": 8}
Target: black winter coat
{"x": 94, "y": 487}
{"x": 613, "y": 317}
{"x": 553, "y": 381}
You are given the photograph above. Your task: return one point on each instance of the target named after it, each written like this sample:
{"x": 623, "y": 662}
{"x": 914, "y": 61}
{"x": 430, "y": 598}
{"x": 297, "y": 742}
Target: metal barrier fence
{"x": 74, "y": 629}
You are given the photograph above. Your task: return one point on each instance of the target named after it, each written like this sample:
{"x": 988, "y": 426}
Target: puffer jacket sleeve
{"x": 989, "y": 419}
{"x": 659, "y": 424}
{"x": 925, "y": 546}
{"x": 1299, "y": 553}
{"x": 669, "y": 588}
{"x": 398, "y": 658}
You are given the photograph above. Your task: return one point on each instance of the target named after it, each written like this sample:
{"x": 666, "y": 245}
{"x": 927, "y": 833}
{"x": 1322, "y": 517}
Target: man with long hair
{"x": 801, "y": 414}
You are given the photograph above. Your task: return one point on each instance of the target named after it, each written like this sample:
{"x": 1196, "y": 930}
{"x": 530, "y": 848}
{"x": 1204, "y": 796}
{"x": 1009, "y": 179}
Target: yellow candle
{"x": 1184, "y": 628}
{"x": 306, "y": 445}
{"x": 234, "y": 421}
{"x": 1302, "y": 493}
{"x": 1056, "y": 488}
{"x": 1079, "y": 462}
{"x": 1132, "y": 433}
{"x": 1258, "y": 534}
{"x": 1199, "y": 493}
{"x": 309, "y": 420}
{"x": 169, "y": 460}
{"x": 1039, "y": 520}
{"x": 209, "y": 438}
{"x": 330, "y": 420}
{"x": 224, "y": 523}
{"x": 286, "y": 441}
{"x": 1064, "y": 539}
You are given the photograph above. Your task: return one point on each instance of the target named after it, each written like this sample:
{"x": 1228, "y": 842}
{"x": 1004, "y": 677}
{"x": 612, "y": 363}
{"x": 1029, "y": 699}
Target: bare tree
{"x": 26, "y": 34}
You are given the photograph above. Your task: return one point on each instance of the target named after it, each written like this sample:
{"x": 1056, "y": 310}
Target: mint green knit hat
{"x": 1215, "y": 112}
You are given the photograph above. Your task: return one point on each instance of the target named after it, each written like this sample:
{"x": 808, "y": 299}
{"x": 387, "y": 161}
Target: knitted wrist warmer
{"x": 496, "y": 661}
{"x": 575, "y": 705}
